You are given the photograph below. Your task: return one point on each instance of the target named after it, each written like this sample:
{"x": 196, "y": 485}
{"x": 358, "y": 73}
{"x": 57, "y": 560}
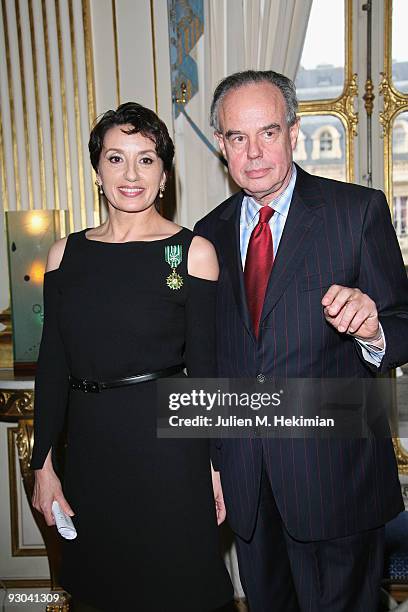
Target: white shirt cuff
{"x": 371, "y": 353}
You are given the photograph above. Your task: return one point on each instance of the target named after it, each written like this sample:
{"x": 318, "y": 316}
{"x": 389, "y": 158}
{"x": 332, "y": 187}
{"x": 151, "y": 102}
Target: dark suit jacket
{"x": 335, "y": 233}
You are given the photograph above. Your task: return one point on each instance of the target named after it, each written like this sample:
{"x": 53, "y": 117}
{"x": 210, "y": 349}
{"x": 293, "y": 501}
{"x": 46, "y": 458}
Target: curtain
{"x": 238, "y": 35}
{"x": 251, "y": 34}
{"x": 274, "y": 33}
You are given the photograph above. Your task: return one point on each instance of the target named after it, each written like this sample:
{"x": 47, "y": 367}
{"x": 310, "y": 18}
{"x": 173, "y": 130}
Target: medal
{"x": 173, "y": 255}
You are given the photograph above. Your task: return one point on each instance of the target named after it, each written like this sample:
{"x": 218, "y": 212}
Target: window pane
{"x": 321, "y": 146}
{"x": 399, "y": 45}
{"x": 400, "y": 180}
{"x": 321, "y": 72}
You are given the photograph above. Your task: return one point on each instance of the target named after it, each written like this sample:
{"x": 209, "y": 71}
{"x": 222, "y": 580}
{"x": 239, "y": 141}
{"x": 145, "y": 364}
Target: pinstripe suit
{"x": 335, "y": 233}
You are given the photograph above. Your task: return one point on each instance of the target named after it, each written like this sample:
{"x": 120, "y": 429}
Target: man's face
{"x": 256, "y": 140}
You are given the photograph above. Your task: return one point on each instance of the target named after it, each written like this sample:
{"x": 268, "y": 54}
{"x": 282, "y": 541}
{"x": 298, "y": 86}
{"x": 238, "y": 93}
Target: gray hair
{"x": 249, "y": 77}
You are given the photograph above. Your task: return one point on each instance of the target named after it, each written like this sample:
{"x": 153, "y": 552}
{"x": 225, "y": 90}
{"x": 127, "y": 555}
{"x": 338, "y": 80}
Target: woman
{"x": 132, "y": 296}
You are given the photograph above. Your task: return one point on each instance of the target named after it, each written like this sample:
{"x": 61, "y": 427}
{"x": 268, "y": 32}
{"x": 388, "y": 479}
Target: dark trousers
{"x": 280, "y": 574}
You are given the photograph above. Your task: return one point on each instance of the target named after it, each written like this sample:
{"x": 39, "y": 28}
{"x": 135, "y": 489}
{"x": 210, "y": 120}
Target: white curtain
{"x": 274, "y": 32}
{"x": 238, "y": 35}
{"x": 254, "y": 34}
{"x": 250, "y": 34}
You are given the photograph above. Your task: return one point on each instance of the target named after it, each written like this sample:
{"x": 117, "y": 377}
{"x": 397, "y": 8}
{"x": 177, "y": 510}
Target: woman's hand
{"x": 218, "y": 496}
{"x": 47, "y": 488}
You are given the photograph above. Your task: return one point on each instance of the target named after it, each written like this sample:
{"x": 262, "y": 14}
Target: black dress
{"x": 144, "y": 508}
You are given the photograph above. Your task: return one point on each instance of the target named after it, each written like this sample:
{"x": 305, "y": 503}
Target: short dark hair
{"x": 249, "y": 77}
{"x": 143, "y": 120}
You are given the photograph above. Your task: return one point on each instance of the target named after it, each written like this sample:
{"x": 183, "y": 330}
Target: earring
{"x": 161, "y": 191}
{"x": 100, "y": 188}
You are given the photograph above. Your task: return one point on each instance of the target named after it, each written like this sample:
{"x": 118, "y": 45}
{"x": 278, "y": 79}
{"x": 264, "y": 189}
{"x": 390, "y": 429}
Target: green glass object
{"x": 30, "y": 235}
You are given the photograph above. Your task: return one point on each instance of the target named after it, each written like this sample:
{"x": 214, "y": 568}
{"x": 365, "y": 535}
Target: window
{"x": 400, "y": 137}
{"x": 326, "y": 142}
{"x": 317, "y": 79}
{"x": 397, "y": 137}
{"x": 326, "y": 87}
{"x": 401, "y": 215}
{"x": 326, "y": 139}
{"x": 404, "y": 209}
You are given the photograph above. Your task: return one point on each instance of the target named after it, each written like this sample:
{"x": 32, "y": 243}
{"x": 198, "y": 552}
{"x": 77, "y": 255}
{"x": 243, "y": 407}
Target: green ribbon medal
{"x": 173, "y": 255}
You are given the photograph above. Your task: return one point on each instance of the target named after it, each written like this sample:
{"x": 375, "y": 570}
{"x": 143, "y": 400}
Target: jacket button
{"x": 260, "y": 378}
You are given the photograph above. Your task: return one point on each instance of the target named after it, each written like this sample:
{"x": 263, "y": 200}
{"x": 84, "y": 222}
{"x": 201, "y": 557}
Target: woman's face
{"x": 129, "y": 170}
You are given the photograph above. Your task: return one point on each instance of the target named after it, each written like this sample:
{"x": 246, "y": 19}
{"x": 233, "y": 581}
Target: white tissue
{"x": 63, "y": 522}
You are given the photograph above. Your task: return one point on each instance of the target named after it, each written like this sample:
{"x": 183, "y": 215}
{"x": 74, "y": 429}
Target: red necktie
{"x": 258, "y": 265}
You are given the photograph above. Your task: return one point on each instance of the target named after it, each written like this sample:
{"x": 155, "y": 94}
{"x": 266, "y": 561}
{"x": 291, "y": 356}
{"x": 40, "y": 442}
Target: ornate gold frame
{"x": 17, "y": 439}
{"x": 394, "y": 102}
{"x": 17, "y": 405}
{"x": 402, "y": 456}
{"x": 343, "y": 106}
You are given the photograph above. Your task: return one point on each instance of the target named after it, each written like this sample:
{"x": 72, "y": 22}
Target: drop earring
{"x": 161, "y": 191}
{"x": 100, "y": 188}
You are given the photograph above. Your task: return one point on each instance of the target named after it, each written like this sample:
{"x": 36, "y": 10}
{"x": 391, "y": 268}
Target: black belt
{"x": 93, "y": 386}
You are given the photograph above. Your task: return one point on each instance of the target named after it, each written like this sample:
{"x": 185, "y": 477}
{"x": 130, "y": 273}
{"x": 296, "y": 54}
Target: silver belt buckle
{"x": 89, "y": 386}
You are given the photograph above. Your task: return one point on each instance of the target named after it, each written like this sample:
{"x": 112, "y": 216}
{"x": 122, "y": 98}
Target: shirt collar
{"x": 280, "y": 205}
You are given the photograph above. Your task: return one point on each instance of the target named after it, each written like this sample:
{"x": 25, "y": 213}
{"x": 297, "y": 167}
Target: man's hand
{"x": 218, "y": 496}
{"x": 353, "y": 312}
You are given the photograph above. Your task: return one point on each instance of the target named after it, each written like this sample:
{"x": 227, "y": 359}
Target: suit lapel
{"x": 303, "y": 222}
{"x": 228, "y": 239}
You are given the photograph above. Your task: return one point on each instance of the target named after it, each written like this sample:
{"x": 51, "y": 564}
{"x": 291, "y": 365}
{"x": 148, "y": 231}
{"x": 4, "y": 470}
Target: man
{"x": 312, "y": 284}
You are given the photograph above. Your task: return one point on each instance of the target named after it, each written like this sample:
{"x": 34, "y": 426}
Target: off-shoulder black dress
{"x": 144, "y": 509}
